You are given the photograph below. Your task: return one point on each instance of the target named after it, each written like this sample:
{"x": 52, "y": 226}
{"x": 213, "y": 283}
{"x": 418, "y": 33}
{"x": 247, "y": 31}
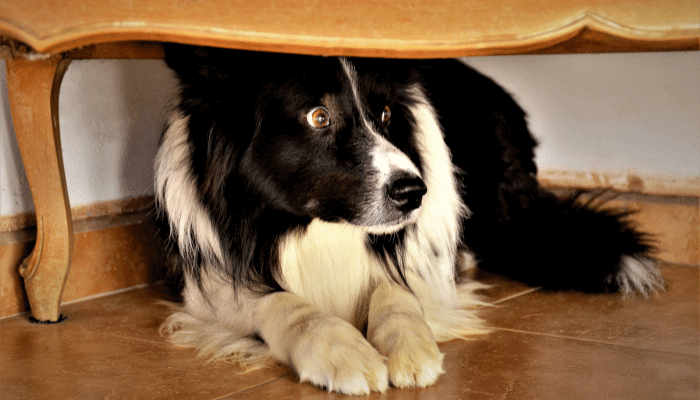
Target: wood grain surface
{"x": 399, "y": 28}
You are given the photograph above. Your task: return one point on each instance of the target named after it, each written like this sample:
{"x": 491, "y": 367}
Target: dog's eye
{"x": 386, "y": 114}
{"x": 319, "y": 117}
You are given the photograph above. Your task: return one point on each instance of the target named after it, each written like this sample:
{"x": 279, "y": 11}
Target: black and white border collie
{"x": 321, "y": 212}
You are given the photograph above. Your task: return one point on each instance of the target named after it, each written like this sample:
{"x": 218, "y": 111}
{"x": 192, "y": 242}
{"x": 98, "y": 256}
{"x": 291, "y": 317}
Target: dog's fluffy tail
{"x": 573, "y": 242}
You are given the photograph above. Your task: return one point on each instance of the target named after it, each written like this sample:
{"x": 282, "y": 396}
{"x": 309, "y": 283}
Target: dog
{"x": 322, "y": 212}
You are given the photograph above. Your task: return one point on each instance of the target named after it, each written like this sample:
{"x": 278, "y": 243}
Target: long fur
{"x": 336, "y": 247}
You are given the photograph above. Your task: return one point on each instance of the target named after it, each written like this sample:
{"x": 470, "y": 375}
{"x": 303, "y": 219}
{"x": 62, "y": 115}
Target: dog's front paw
{"x": 414, "y": 358}
{"x": 337, "y": 357}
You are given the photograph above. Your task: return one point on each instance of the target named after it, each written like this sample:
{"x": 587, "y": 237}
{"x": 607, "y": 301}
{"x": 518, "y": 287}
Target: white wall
{"x": 111, "y": 115}
{"x": 603, "y": 113}
{"x": 608, "y": 112}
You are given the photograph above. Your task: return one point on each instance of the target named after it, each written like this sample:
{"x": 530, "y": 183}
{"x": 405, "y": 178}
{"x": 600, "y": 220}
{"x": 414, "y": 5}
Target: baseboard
{"x": 667, "y": 206}
{"x": 672, "y": 221}
{"x": 87, "y": 212}
{"x": 110, "y": 253}
{"x": 626, "y": 182}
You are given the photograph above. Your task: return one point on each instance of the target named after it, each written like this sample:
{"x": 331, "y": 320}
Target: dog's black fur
{"x": 516, "y": 228}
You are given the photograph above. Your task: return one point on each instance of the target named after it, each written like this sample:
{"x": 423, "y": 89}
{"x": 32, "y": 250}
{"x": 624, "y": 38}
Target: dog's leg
{"x": 324, "y": 350}
{"x": 397, "y": 328}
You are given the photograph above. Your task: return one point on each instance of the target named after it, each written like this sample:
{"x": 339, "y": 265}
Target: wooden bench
{"x": 38, "y": 39}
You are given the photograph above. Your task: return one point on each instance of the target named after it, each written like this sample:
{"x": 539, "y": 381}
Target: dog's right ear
{"x": 205, "y": 66}
{"x": 193, "y": 65}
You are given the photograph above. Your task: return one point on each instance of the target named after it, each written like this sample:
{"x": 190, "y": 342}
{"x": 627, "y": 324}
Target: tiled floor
{"x": 545, "y": 346}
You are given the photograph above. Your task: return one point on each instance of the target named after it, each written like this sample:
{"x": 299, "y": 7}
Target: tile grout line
{"x": 593, "y": 341}
{"x": 137, "y": 339}
{"x": 516, "y": 295}
{"x": 105, "y": 294}
{"x": 680, "y": 264}
{"x": 87, "y": 298}
{"x": 253, "y": 387}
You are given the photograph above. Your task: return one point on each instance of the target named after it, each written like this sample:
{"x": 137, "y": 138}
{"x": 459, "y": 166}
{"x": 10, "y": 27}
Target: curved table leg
{"x": 33, "y": 88}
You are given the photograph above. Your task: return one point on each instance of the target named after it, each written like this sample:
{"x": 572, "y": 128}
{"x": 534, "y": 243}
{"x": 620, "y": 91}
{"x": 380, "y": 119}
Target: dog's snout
{"x": 406, "y": 191}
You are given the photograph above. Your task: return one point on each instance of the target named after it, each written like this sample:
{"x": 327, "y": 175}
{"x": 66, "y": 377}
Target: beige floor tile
{"x": 668, "y": 321}
{"x": 109, "y": 348}
{"x": 550, "y": 346}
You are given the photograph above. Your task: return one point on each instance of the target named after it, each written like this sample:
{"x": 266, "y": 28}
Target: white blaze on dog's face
{"x": 326, "y": 147}
{"x": 399, "y": 189}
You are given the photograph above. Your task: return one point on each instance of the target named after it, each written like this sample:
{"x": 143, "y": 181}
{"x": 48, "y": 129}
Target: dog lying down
{"x": 321, "y": 211}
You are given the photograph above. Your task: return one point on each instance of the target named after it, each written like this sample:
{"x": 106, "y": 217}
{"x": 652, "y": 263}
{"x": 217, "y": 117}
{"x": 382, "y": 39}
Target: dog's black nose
{"x": 406, "y": 191}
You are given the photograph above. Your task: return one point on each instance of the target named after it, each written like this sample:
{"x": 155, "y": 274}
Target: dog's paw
{"x": 415, "y": 362}
{"x": 337, "y": 357}
{"x": 414, "y": 359}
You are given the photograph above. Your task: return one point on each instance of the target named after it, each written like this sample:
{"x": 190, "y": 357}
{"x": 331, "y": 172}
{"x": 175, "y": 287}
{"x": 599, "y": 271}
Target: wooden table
{"x": 40, "y": 37}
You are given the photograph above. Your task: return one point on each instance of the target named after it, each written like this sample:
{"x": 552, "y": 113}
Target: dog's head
{"x": 326, "y": 138}
{"x": 329, "y": 141}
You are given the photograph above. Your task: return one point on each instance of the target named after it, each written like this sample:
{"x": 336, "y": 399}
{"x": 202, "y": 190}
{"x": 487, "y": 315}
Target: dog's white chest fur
{"x": 330, "y": 266}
